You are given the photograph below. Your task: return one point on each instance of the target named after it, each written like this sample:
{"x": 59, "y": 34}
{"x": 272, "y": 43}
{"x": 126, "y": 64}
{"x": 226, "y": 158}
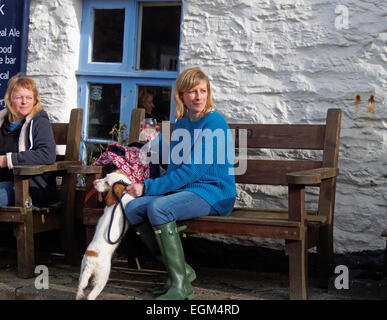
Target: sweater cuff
{"x": 145, "y": 182}
{"x": 9, "y": 160}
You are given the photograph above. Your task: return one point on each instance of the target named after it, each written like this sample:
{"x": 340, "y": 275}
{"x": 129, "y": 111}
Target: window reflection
{"x": 108, "y": 35}
{"x": 104, "y": 109}
{"x": 155, "y": 100}
{"x": 159, "y": 33}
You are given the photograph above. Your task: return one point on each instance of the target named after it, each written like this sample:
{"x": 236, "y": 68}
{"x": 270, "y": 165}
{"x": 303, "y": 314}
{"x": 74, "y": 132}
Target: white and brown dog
{"x": 96, "y": 262}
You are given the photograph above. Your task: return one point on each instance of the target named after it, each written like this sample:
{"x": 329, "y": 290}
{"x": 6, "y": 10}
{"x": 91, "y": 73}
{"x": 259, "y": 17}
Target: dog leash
{"x": 89, "y": 195}
{"x": 119, "y": 202}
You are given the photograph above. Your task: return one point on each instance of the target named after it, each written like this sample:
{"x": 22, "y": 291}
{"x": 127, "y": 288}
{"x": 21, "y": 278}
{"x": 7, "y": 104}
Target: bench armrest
{"x": 312, "y": 176}
{"x": 32, "y": 170}
{"x": 82, "y": 169}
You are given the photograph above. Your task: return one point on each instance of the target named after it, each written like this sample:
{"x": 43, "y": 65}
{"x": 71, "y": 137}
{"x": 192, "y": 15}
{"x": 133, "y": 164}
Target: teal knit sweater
{"x": 201, "y": 161}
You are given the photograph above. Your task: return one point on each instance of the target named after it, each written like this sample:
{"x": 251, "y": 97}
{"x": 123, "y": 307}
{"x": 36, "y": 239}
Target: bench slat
{"x": 85, "y": 169}
{"x": 282, "y": 136}
{"x": 273, "y": 172}
{"x": 273, "y": 214}
{"x": 279, "y": 229}
{"x": 40, "y": 169}
{"x": 60, "y": 133}
{"x": 11, "y": 214}
{"x": 311, "y": 176}
{"x": 46, "y": 222}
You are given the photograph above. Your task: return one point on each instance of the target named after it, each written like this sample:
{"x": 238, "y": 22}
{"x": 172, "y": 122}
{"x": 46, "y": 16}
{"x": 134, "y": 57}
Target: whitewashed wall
{"x": 270, "y": 62}
{"x": 53, "y": 53}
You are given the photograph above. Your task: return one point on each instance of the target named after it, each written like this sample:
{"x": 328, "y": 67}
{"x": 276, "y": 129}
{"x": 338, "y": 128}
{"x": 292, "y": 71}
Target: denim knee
{"x": 135, "y": 213}
{"x": 7, "y": 193}
{"x": 3, "y": 198}
{"x": 158, "y": 214}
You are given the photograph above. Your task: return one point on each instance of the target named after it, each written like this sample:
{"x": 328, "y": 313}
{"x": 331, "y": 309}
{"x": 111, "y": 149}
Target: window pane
{"x": 159, "y": 33}
{"x": 93, "y": 151}
{"x": 104, "y": 109}
{"x": 155, "y": 100}
{"x": 108, "y": 35}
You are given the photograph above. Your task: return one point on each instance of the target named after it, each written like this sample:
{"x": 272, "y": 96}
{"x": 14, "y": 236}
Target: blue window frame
{"x": 114, "y": 63}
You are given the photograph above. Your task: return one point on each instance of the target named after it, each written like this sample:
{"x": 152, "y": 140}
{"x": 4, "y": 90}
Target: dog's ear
{"x": 110, "y": 198}
{"x": 119, "y": 189}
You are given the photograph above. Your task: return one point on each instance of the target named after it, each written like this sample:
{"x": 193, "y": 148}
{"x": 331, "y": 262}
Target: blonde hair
{"x": 188, "y": 79}
{"x": 21, "y": 81}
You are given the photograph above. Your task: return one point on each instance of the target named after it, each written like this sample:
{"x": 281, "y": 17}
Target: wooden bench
{"x": 29, "y": 220}
{"x": 299, "y": 229}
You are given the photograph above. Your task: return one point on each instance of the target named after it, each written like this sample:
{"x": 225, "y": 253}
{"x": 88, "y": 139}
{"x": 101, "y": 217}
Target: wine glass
{"x": 149, "y": 132}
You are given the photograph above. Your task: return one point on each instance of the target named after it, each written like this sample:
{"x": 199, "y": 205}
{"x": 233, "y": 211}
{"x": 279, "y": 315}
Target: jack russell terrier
{"x": 96, "y": 262}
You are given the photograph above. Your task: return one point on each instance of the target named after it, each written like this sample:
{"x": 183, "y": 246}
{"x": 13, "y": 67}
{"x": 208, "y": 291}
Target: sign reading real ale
{"x": 14, "y": 19}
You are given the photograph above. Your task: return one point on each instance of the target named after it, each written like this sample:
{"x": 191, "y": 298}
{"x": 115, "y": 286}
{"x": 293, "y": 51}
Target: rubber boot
{"x": 171, "y": 248}
{"x": 147, "y": 236}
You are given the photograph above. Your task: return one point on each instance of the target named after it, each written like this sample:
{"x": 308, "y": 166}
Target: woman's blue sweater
{"x": 201, "y": 159}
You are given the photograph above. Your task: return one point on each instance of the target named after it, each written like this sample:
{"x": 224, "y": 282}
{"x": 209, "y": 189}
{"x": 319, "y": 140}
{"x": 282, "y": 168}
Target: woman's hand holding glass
{"x": 149, "y": 130}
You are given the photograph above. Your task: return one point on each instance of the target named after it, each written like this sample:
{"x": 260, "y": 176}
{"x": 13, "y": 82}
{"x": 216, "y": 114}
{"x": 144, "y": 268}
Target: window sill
{"x": 132, "y": 74}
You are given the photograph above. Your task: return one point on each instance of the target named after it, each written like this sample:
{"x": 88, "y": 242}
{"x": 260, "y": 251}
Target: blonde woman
{"x": 26, "y": 138}
{"x": 201, "y": 186}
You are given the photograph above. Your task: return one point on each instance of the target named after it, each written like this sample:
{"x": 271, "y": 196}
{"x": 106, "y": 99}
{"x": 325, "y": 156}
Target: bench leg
{"x": 325, "y": 255}
{"x": 90, "y": 230}
{"x": 68, "y": 232}
{"x": 385, "y": 261}
{"x": 25, "y": 248}
{"x": 298, "y": 269}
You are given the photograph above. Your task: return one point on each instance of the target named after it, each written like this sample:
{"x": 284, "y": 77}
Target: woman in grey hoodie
{"x": 26, "y": 138}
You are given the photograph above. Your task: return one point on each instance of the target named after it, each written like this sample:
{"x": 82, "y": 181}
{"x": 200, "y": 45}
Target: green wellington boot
{"x": 169, "y": 241}
{"x": 147, "y": 236}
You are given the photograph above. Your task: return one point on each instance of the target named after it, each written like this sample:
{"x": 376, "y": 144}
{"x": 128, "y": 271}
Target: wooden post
{"x": 137, "y": 116}
{"x": 70, "y": 245}
{"x": 24, "y": 231}
{"x": 327, "y": 196}
{"x": 297, "y": 249}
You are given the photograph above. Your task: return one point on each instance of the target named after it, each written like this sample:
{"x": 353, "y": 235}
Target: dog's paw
{"x": 79, "y": 296}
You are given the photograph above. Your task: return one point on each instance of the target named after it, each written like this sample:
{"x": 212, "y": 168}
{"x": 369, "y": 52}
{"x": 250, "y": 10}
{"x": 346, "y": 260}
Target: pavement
{"x": 127, "y": 283}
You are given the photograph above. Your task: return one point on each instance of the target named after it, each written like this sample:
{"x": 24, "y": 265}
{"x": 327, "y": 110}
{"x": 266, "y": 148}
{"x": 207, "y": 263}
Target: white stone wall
{"x": 282, "y": 61}
{"x": 53, "y": 53}
{"x": 289, "y": 61}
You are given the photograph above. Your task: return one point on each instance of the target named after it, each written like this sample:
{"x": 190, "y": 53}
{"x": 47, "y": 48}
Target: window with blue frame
{"x": 129, "y": 58}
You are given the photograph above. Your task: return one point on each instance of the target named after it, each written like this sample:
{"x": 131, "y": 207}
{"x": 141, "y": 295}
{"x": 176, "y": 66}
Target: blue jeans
{"x": 159, "y": 210}
{"x": 7, "y": 193}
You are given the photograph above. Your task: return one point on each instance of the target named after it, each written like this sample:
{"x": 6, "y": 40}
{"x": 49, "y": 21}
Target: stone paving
{"x": 211, "y": 284}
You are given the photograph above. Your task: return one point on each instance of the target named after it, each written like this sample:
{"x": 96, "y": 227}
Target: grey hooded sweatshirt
{"x": 31, "y": 143}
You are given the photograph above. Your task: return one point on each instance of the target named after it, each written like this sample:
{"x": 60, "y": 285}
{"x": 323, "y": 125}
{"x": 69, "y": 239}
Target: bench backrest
{"x": 69, "y": 135}
{"x": 324, "y": 137}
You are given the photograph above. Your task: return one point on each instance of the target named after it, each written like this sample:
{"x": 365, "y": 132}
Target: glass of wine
{"x": 148, "y": 132}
